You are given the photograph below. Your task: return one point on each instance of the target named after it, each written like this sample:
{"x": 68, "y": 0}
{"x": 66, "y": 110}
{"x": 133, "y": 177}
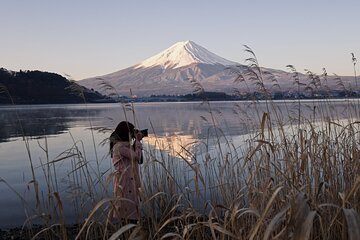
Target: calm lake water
{"x": 51, "y": 130}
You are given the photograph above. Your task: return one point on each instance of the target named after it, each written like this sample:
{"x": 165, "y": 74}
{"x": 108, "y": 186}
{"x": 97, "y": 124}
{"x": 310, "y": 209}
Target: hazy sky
{"x": 87, "y": 38}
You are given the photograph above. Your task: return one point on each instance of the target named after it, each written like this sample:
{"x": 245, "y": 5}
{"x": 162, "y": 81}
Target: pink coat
{"x": 127, "y": 179}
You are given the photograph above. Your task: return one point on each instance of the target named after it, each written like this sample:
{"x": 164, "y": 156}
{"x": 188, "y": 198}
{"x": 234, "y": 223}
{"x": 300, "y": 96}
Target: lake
{"x": 46, "y": 133}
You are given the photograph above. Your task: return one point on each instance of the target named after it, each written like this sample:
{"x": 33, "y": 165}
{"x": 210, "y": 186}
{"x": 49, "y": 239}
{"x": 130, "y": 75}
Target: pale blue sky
{"x": 90, "y": 38}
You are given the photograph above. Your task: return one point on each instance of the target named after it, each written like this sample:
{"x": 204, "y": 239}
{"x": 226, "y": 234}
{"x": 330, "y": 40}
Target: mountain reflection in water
{"x": 176, "y": 145}
{"x": 35, "y": 121}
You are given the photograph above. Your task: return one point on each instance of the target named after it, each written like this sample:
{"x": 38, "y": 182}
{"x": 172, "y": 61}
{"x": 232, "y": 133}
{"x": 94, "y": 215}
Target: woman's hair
{"x": 123, "y": 132}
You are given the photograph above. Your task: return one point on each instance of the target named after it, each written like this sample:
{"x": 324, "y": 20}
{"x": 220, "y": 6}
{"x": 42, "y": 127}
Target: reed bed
{"x": 290, "y": 178}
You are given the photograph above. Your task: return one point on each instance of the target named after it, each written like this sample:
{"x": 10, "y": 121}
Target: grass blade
{"x": 353, "y": 223}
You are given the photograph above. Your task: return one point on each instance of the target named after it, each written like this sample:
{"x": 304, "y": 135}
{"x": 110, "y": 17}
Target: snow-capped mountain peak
{"x": 183, "y": 54}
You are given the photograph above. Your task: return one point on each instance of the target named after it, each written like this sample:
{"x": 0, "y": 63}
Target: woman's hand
{"x": 138, "y": 135}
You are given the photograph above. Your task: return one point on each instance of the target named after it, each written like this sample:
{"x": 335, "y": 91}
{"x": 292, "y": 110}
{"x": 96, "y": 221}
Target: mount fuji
{"x": 170, "y": 73}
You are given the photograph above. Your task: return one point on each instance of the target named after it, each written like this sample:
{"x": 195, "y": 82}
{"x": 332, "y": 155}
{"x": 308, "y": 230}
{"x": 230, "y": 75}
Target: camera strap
{"x": 141, "y": 160}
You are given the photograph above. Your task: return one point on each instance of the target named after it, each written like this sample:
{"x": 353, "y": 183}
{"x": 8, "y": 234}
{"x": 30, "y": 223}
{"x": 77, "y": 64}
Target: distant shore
{"x": 181, "y": 99}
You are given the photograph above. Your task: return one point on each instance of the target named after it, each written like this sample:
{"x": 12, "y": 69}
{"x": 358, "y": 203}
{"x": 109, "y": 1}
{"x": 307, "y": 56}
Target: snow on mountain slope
{"x": 183, "y": 54}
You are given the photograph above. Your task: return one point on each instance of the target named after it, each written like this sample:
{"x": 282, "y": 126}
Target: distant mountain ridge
{"x": 36, "y": 87}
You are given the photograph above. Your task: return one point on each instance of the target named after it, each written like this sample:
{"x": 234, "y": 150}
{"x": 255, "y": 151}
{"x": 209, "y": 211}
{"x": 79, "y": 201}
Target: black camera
{"x": 144, "y": 132}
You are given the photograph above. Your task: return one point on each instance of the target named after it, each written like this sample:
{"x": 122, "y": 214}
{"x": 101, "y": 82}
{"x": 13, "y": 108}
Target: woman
{"x": 125, "y": 159}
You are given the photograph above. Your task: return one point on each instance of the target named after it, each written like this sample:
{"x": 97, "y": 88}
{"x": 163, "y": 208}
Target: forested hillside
{"x": 36, "y": 87}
